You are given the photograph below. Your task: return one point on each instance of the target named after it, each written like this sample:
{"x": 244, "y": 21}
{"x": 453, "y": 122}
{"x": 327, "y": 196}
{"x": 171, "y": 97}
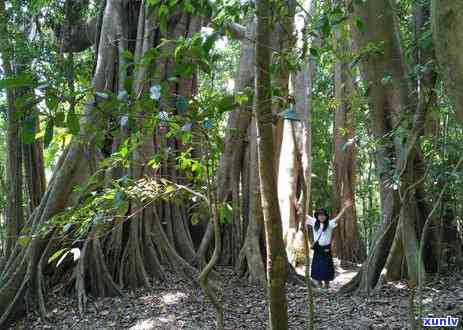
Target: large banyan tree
{"x": 124, "y": 109}
{"x": 405, "y": 245}
{"x": 107, "y": 203}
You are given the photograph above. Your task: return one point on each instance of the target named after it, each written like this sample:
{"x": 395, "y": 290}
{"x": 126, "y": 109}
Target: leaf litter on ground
{"x": 177, "y": 304}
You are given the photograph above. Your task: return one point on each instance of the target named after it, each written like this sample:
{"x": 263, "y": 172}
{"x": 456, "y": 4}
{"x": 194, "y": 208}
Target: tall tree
{"x": 384, "y": 71}
{"x": 446, "y": 31}
{"x": 294, "y": 169}
{"x": 14, "y": 213}
{"x": 276, "y": 255}
{"x": 132, "y": 251}
{"x": 446, "y": 22}
{"x": 25, "y": 152}
{"x": 347, "y": 243}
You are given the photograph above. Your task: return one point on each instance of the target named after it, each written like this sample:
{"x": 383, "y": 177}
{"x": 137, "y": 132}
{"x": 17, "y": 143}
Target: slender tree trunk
{"x": 276, "y": 256}
{"x": 282, "y": 41}
{"x": 14, "y": 176}
{"x": 34, "y": 169}
{"x": 293, "y": 170}
{"x": 251, "y": 259}
{"x": 289, "y": 170}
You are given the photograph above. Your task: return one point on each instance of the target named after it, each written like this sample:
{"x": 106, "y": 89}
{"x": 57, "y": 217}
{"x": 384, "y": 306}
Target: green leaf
{"x": 169, "y": 189}
{"x": 36, "y": 5}
{"x": 56, "y": 255}
{"x": 123, "y": 208}
{"x": 195, "y": 219}
{"x": 360, "y": 24}
{"x": 154, "y": 2}
{"x": 163, "y": 11}
{"x": 24, "y": 240}
{"x": 209, "y": 43}
{"x": 24, "y": 80}
{"x": 225, "y": 213}
{"x": 426, "y": 40}
{"x": 120, "y": 204}
{"x": 325, "y": 25}
{"x": 73, "y": 123}
{"x": 184, "y": 70}
{"x": 386, "y": 79}
{"x": 128, "y": 55}
{"x": 51, "y": 100}
{"x": 314, "y": 52}
{"x": 241, "y": 98}
{"x": 62, "y": 258}
{"x": 188, "y": 7}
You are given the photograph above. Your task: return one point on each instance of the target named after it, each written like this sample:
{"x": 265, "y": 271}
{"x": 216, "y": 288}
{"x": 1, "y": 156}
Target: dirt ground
{"x": 175, "y": 304}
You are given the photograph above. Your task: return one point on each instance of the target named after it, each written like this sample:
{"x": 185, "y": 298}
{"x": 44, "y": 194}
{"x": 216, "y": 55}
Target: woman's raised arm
{"x": 346, "y": 206}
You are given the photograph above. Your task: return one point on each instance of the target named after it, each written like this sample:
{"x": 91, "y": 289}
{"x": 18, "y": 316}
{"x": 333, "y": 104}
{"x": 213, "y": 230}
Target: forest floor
{"x": 175, "y": 304}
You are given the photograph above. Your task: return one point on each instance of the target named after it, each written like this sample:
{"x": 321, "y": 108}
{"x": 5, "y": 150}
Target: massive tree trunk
{"x": 233, "y": 179}
{"x": 347, "y": 243}
{"x": 121, "y": 252}
{"x": 276, "y": 255}
{"x": 251, "y": 260}
{"x": 238, "y": 179}
{"x": 384, "y": 72}
{"x": 232, "y": 165}
{"x": 243, "y": 148}
{"x": 447, "y": 24}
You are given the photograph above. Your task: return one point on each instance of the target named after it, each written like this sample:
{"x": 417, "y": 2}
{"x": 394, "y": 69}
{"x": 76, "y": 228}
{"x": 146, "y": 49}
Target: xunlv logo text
{"x": 448, "y": 321}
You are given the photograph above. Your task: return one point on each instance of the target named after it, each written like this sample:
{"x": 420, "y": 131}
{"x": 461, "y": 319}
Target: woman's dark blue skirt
{"x": 322, "y": 263}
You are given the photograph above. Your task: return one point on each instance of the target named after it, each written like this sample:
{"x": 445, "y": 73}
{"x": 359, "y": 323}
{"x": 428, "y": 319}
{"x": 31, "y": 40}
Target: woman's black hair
{"x": 317, "y": 222}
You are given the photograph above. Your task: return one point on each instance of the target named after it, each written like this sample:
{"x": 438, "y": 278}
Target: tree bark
{"x": 251, "y": 259}
{"x": 447, "y": 22}
{"x": 14, "y": 176}
{"x": 276, "y": 256}
{"x": 34, "y": 169}
{"x": 384, "y": 71}
{"x": 347, "y": 243}
{"x": 131, "y": 253}
{"x": 282, "y": 41}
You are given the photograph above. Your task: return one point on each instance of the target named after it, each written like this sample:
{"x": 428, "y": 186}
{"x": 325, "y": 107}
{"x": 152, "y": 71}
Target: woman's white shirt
{"x": 324, "y": 237}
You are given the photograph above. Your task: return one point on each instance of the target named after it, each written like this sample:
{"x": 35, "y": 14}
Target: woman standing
{"x": 322, "y": 262}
